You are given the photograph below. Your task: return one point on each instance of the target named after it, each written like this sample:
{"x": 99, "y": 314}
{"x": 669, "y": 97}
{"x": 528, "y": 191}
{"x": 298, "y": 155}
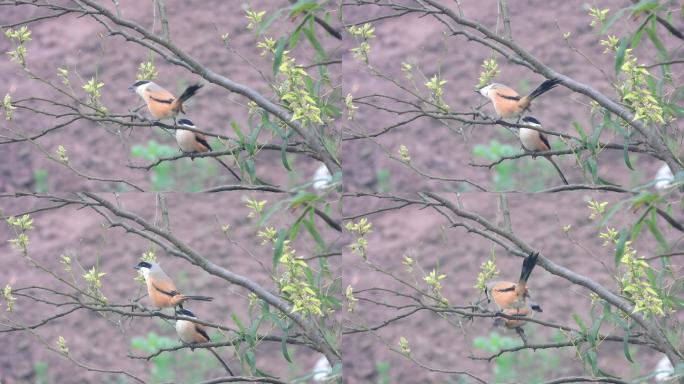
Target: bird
{"x": 535, "y": 141}
{"x": 513, "y": 298}
{"x": 194, "y": 142}
{"x": 322, "y": 179}
{"x": 192, "y": 333}
{"x": 508, "y": 103}
{"x": 322, "y": 371}
{"x": 160, "y": 102}
{"x": 161, "y": 289}
{"x": 664, "y": 177}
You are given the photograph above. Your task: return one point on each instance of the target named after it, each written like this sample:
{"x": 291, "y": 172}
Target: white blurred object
{"x": 663, "y": 370}
{"x": 322, "y": 370}
{"x": 663, "y": 177}
{"x": 322, "y": 178}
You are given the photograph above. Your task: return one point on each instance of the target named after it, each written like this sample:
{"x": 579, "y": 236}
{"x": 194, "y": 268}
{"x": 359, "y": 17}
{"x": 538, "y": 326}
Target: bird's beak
{"x": 136, "y": 267}
{"x": 131, "y": 88}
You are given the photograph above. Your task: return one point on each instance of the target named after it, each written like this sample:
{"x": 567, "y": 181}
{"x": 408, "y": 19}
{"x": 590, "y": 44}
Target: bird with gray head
{"x": 160, "y": 102}
{"x": 161, "y": 289}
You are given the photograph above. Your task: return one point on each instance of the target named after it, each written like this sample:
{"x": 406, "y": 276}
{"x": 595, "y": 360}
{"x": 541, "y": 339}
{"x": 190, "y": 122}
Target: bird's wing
{"x": 168, "y": 290}
{"x": 503, "y": 293}
{"x": 203, "y": 141}
{"x": 163, "y": 283}
{"x": 201, "y": 331}
{"x": 507, "y": 93}
{"x": 544, "y": 140}
{"x": 159, "y": 94}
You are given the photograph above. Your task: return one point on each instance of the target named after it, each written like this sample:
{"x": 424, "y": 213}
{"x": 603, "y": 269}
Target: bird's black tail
{"x": 199, "y": 298}
{"x": 189, "y": 92}
{"x": 528, "y": 265}
{"x": 228, "y": 168}
{"x": 560, "y": 173}
{"x": 544, "y": 87}
{"x": 221, "y": 360}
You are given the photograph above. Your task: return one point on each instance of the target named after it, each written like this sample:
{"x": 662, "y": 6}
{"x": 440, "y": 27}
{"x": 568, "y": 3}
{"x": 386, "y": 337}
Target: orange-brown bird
{"x": 160, "y": 102}
{"x": 195, "y": 142}
{"x": 535, "y": 141}
{"x": 508, "y": 103}
{"x": 512, "y": 298}
{"x": 161, "y": 289}
{"x": 192, "y": 333}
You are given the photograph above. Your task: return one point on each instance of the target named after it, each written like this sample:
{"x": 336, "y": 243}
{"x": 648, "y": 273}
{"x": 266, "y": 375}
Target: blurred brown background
{"x": 424, "y": 235}
{"x": 77, "y": 44}
{"x": 104, "y": 342}
{"x": 446, "y": 148}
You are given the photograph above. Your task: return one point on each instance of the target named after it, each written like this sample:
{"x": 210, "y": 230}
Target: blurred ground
{"x": 424, "y": 235}
{"x": 445, "y": 149}
{"x": 104, "y": 342}
{"x": 76, "y": 43}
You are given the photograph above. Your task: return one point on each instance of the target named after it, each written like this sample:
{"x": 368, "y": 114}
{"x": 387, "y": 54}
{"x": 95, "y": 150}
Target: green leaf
{"x": 651, "y": 32}
{"x": 644, "y": 6}
{"x": 592, "y": 359}
{"x": 303, "y": 6}
{"x": 592, "y": 336}
{"x": 283, "y": 349}
{"x": 238, "y": 131}
{"x": 620, "y": 55}
{"x": 308, "y": 32}
{"x": 638, "y": 35}
{"x": 592, "y": 166}
{"x": 283, "y": 156}
{"x": 596, "y": 133}
{"x": 651, "y": 224}
{"x": 294, "y": 37}
{"x": 278, "y": 249}
{"x": 625, "y": 154}
{"x": 250, "y": 169}
{"x": 580, "y": 322}
{"x": 303, "y": 197}
{"x": 238, "y": 322}
{"x": 620, "y": 247}
{"x": 580, "y": 131}
{"x": 251, "y": 359}
{"x": 314, "y": 233}
{"x": 278, "y": 55}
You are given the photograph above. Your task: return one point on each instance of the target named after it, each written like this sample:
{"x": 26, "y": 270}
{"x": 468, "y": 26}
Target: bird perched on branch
{"x": 508, "y": 103}
{"x": 535, "y": 141}
{"x": 161, "y": 289}
{"x": 160, "y": 102}
{"x": 513, "y": 298}
{"x": 195, "y": 142}
{"x": 192, "y": 333}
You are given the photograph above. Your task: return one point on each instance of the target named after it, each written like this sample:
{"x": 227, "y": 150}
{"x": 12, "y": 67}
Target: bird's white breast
{"x": 186, "y": 140}
{"x": 186, "y": 330}
{"x": 530, "y": 140}
{"x": 140, "y": 90}
{"x": 484, "y": 91}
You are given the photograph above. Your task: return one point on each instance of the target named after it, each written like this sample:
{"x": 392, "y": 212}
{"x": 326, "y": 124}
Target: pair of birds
{"x": 163, "y": 294}
{"x": 509, "y": 104}
{"x": 513, "y": 299}
{"x": 163, "y": 104}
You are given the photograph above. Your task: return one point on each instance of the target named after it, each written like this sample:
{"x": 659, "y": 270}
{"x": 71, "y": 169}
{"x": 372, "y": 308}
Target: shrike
{"x": 160, "y": 102}
{"x": 508, "y": 103}
{"x": 161, "y": 289}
